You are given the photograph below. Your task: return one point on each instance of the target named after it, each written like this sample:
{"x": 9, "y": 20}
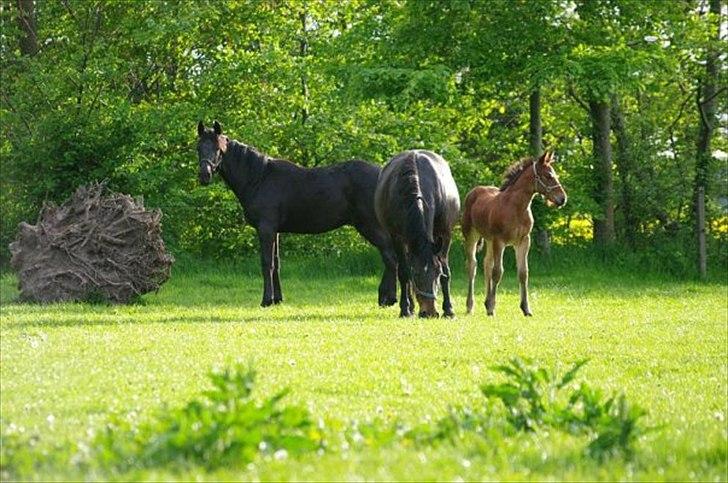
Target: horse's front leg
{"x": 522, "y": 264}
{"x": 266, "y": 237}
{"x": 445, "y": 279}
{"x": 493, "y": 267}
{"x": 277, "y": 293}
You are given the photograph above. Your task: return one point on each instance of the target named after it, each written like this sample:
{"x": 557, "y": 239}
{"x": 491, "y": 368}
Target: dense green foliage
{"x": 113, "y": 90}
{"x": 405, "y": 393}
{"x": 224, "y": 427}
{"x": 534, "y": 397}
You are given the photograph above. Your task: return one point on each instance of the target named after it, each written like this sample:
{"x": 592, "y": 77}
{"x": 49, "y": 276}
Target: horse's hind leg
{"x": 406, "y": 304}
{"x": 445, "y": 279}
{"x": 493, "y": 266}
{"x": 380, "y": 239}
{"x": 471, "y": 247}
{"x": 522, "y": 263}
{"x": 277, "y": 293}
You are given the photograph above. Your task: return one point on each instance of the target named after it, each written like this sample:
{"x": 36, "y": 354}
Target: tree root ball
{"x": 97, "y": 246}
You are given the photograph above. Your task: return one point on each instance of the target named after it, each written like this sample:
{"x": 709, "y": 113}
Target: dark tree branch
{"x": 572, "y": 93}
{"x": 15, "y": 111}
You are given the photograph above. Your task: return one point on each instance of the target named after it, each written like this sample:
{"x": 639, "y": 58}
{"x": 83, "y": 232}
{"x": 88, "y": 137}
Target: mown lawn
{"x": 66, "y": 369}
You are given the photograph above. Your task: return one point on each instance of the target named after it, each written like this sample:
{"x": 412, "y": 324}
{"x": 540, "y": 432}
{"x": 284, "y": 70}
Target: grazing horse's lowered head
{"x": 426, "y": 269}
{"x": 211, "y": 146}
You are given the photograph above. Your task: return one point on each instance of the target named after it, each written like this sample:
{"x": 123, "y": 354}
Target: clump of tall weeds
{"x": 536, "y": 397}
{"x": 223, "y": 427}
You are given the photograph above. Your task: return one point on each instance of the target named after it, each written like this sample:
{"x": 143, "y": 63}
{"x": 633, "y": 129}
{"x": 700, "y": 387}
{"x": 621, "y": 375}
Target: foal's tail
{"x": 467, "y": 222}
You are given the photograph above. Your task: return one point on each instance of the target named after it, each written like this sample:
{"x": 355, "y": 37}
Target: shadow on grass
{"x": 214, "y": 292}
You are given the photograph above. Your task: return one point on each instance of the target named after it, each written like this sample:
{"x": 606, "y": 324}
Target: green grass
{"x": 67, "y": 369}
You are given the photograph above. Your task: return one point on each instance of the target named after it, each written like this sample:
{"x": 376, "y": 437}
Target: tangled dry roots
{"x": 98, "y": 245}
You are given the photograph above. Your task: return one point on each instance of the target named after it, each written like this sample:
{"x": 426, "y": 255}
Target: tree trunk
{"x": 27, "y": 23}
{"x": 535, "y": 139}
{"x": 602, "y": 150}
{"x": 706, "y": 102}
{"x": 303, "y": 45}
{"x": 625, "y": 167}
{"x": 535, "y": 132}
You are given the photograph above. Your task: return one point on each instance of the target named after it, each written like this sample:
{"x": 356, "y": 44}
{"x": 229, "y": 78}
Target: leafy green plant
{"x": 223, "y": 427}
{"x": 534, "y": 397}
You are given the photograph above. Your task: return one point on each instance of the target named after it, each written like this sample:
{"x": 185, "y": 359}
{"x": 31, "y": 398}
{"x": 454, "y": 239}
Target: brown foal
{"x": 502, "y": 216}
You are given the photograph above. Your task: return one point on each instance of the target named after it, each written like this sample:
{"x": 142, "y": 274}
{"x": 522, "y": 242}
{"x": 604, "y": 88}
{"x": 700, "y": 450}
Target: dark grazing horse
{"x": 417, "y": 202}
{"x": 278, "y": 196}
{"x": 502, "y": 216}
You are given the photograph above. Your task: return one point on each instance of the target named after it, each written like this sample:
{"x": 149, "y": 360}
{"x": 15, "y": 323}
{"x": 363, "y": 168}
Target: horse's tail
{"x": 467, "y": 221}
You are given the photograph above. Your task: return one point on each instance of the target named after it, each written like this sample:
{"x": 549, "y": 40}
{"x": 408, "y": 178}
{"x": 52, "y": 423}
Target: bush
{"x": 535, "y": 397}
{"x": 224, "y": 427}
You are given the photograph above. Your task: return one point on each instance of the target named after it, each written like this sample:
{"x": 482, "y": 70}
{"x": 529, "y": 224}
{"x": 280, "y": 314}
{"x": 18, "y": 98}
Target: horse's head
{"x": 547, "y": 182}
{"x": 211, "y": 145}
{"x": 426, "y": 272}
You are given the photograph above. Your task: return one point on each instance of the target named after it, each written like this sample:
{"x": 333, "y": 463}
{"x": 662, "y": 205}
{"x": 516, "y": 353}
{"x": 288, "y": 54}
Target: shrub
{"x": 534, "y": 397}
{"x": 223, "y": 427}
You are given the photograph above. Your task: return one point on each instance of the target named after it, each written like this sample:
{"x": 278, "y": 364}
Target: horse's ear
{"x": 546, "y": 157}
{"x": 200, "y": 129}
{"x": 216, "y": 126}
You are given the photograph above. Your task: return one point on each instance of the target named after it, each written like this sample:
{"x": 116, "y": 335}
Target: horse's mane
{"x": 409, "y": 188}
{"x": 248, "y": 157}
{"x": 246, "y": 153}
{"x": 514, "y": 171}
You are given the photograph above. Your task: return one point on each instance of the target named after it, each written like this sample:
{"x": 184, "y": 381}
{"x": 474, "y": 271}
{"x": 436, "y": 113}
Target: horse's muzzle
{"x": 205, "y": 174}
{"x": 427, "y": 307}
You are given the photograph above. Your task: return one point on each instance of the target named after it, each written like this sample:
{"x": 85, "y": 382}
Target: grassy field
{"x": 66, "y": 369}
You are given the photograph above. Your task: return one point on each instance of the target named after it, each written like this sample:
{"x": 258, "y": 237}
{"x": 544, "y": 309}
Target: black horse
{"x": 417, "y": 202}
{"x": 280, "y": 197}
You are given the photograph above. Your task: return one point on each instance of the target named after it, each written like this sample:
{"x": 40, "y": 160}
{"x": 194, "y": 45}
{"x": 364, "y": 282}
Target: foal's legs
{"x": 277, "y": 293}
{"x": 493, "y": 266}
{"x": 522, "y": 264}
{"x": 266, "y": 237}
{"x": 380, "y": 239}
{"x": 406, "y": 304}
{"x": 471, "y": 247}
{"x": 445, "y": 279}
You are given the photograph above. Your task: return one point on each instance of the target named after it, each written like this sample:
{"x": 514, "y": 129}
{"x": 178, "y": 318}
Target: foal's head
{"x": 211, "y": 145}
{"x": 546, "y": 181}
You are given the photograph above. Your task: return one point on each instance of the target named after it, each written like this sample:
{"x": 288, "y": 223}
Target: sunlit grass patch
{"x": 67, "y": 370}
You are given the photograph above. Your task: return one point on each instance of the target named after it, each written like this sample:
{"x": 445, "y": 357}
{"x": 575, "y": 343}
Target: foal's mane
{"x": 514, "y": 171}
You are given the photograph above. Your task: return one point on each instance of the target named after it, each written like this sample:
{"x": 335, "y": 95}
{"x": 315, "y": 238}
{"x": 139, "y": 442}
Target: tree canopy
{"x": 112, "y": 90}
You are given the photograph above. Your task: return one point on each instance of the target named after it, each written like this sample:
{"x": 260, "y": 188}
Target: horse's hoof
{"x": 491, "y": 313}
{"x": 405, "y": 315}
{"x": 387, "y": 301}
{"x": 277, "y": 301}
{"x": 527, "y": 314}
{"x": 266, "y": 303}
{"x": 449, "y": 314}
